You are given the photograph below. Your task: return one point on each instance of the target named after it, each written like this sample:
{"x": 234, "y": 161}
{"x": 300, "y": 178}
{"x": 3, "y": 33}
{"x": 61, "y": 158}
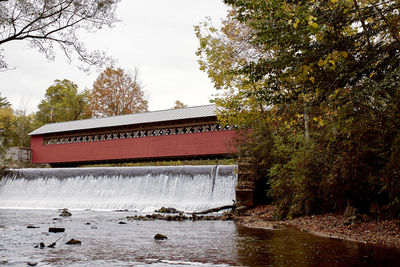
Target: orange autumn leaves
{"x": 116, "y": 92}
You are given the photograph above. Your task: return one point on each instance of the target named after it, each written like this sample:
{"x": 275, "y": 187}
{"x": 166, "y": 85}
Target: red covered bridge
{"x": 185, "y": 133}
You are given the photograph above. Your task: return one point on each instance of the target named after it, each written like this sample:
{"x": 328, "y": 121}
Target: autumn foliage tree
{"x": 116, "y": 92}
{"x": 15, "y": 126}
{"x": 319, "y": 79}
{"x": 179, "y": 104}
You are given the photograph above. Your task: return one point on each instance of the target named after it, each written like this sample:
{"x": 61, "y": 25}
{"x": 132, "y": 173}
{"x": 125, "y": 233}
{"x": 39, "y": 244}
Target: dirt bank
{"x": 384, "y": 232}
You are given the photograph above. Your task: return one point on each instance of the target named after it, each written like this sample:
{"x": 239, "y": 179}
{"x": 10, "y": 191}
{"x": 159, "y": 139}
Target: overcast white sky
{"x": 156, "y": 36}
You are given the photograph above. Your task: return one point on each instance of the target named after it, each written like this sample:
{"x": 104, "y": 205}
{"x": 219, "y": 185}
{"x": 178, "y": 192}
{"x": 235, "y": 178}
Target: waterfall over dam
{"x": 187, "y": 188}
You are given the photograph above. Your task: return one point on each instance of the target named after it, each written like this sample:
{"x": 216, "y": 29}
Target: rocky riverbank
{"x": 384, "y": 232}
{"x": 227, "y": 216}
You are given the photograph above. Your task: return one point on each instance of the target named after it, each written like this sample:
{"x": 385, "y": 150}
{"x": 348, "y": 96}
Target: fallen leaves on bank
{"x": 377, "y": 231}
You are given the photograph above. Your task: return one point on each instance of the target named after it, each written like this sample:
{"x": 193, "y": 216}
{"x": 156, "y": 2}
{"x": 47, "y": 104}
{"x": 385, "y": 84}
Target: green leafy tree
{"x": 62, "y": 102}
{"x": 16, "y": 125}
{"x": 222, "y": 52}
{"x": 7, "y": 133}
{"x": 327, "y": 72}
{"x": 24, "y": 124}
{"x": 14, "y": 129}
{"x": 7, "y": 124}
{"x": 47, "y": 24}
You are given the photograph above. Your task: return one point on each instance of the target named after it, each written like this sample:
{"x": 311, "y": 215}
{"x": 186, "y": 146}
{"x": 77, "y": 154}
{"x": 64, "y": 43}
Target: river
{"x": 106, "y": 242}
{"x": 108, "y": 238}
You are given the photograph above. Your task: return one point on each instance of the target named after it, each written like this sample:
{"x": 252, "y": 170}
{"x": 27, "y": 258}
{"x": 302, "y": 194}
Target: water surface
{"x": 105, "y": 242}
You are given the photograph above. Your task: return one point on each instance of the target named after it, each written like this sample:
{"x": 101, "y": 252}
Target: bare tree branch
{"x": 47, "y": 22}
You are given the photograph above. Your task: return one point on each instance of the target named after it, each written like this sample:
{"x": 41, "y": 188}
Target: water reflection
{"x": 105, "y": 242}
{"x": 288, "y": 247}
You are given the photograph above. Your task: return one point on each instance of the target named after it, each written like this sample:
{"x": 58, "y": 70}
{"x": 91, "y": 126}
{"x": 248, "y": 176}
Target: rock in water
{"x": 168, "y": 210}
{"x": 74, "y": 242}
{"x": 160, "y": 237}
{"x": 32, "y": 227}
{"x": 56, "y": 229}
{"x": 40, "y": 245}
{"x": 65, "y": 213}
{"x": 31, "y": 263}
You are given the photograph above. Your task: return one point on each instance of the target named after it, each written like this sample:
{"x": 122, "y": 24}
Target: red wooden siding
{"x": 155, "y": 147}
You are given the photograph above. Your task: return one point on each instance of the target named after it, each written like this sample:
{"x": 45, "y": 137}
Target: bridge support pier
{"x": 245, "y": 185}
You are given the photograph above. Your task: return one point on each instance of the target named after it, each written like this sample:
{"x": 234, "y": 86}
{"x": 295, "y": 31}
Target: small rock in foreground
{"x": 40, "y": 245}
{"x": 74, "y": 242}
{"x": 56, "y": 229}
{"x": 32, "y": 227}
{"x": 65, "y": 213}
{"x": 30, "y": 263}
{"x": 122, "y": 223}
{"x": 160, "y": 237}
